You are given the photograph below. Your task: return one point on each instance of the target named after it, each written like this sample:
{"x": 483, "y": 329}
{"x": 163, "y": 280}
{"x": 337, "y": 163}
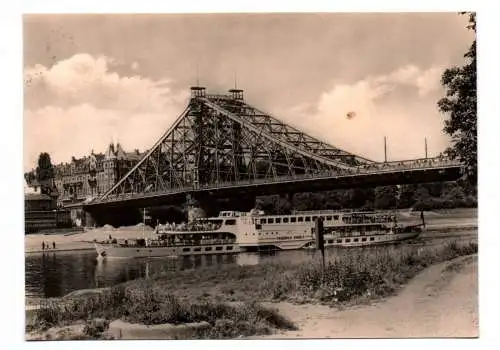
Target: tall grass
{"x": 150, "y": 306}
{"x": 356, "y": 275}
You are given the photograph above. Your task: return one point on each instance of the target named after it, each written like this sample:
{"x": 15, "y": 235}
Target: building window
{"x": 278, "y": 220}
{"x": 285, "y": 220}
{"x": 293, "y": 219}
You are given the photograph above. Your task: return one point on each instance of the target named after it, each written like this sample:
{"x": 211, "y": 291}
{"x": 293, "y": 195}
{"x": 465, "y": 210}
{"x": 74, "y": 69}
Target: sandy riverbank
{"x": 82, "y": 240}
{"x": 442, "y": 301}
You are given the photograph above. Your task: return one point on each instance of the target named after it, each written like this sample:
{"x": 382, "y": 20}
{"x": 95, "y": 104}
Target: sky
{"x": 95, "y": 79}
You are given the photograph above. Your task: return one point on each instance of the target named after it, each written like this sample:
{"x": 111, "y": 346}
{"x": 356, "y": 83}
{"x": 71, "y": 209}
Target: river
{"x": 58, "y": 273}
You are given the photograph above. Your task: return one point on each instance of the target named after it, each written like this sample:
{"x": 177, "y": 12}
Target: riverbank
{"x": 353, "y": 278}
{"x": 82, "y": 240}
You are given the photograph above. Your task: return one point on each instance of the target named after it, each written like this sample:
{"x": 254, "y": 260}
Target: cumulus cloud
{"x": 79, "y": 104}
{"x": 400, "y": 105}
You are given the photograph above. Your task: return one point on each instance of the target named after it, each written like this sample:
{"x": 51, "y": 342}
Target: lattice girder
{"x": 218, "y": 140}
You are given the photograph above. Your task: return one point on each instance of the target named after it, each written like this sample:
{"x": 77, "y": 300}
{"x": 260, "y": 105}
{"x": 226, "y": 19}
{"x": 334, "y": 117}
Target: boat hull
{"x": 110, "y": 251}
{"x": 352, "y": 241}
{"x": 368, "y": 240}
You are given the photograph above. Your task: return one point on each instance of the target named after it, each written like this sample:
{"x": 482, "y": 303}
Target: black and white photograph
{"x": 193, "y": 176}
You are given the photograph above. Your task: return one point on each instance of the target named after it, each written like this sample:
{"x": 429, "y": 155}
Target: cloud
{"x": 400, "y": 105}
{"x": 79, "y": 104}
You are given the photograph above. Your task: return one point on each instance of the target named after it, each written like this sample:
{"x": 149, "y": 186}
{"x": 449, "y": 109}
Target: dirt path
{"x": 440, "y": 302}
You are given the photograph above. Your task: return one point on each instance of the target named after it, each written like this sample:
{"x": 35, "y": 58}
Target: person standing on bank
{"x": 54, "y": 245}
{"x": 43, "y": 245}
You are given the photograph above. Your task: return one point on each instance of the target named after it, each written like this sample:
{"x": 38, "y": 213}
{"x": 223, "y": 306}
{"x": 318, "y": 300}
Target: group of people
{"x": 193, "y": 226}
{"x": 47, "y": 246}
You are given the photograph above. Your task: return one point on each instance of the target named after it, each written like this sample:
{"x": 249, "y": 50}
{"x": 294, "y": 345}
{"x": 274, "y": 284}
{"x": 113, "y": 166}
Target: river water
{"x": 56, "y": 274}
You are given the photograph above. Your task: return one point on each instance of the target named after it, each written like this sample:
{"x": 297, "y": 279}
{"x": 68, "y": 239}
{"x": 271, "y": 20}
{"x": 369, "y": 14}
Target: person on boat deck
{"x": 43, "y": 245}
{"x": 54, "y": 245}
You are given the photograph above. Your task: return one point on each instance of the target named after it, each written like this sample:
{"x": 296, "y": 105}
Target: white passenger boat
{"x": 341, "y": 228}
{"x": 233, "y": 232}
{"x": 200, "y": 237}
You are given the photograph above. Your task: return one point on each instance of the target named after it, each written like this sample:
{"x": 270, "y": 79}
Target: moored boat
{"x": 200, "y": 237}
{"x": 341, "y": 228}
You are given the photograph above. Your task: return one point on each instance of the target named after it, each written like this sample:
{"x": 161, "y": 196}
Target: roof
{"x": 37, "y": 197}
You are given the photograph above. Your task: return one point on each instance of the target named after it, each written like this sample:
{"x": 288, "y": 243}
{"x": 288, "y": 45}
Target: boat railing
{"x": 166, "y": 243}
{"x": 188, "y": 228}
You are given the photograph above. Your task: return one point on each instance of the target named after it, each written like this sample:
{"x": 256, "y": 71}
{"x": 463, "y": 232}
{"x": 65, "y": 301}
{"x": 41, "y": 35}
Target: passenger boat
{"x": 341, "y": 229}
{"x": 200, "y": 237}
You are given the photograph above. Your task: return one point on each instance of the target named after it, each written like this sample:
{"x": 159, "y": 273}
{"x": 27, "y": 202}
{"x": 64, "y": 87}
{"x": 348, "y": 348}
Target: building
{"x": 93, "y": 175}
{"x": 41, "y": 213}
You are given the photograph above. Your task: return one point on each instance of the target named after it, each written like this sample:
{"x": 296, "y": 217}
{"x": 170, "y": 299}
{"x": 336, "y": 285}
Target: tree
{"x": 45, "y": 173}
{"x": 460, "y": 104}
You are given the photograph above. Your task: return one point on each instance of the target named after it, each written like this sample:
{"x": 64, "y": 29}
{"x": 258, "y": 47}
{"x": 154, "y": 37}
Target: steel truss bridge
{"x": 221, "y": 146}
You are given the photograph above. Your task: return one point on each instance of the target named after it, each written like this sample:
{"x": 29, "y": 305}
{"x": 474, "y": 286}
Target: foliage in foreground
{"x": 360, "y": 276}
{"x": 149, "y": 306}
{"x": 460, "y": 105}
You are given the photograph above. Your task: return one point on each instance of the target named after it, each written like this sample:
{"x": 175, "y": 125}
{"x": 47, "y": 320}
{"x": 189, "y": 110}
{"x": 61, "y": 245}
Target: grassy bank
{"x": 225, "y": 298}
{"x": 150, "y": 306}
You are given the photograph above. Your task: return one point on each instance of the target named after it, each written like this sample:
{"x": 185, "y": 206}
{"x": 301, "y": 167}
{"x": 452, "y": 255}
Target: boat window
{"x": 372, "y": 238}
{"x": 258, "y": 226}
{"x": 262, "y": 221}
{"x": 339, "y": 241}
{"x": 330, "y": 241}
{"x": 285, "y": 220}
{"x": 300, "y": 219}
{"x": 329, "y": 217}
{"x": 231, "y": 222}
{"x": 308, "y": 218}
{"x": 218, "y": 248}
{"x": 185, "y": 249}
{"x": 356, "y": 240}
{"x": 314, "y": 218}
{"x": 278, "y": 220}
{"x": 207, "y": 249}
{"x": 270, "y": 221}
{"x": 293, "y": 219}
{"x": 229, "y": 247}
{"x": 197, "y": 249}
{"x": 335, "y": 217}
{"x": 363, "y": 239}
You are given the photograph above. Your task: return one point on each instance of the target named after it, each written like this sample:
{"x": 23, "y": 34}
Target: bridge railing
{"x": 377, "y": 168}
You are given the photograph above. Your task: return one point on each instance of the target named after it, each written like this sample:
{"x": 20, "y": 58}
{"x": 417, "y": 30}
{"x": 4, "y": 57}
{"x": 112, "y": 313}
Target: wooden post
{"x": 320, "y": 245}
{"x": 425, "y": 148}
